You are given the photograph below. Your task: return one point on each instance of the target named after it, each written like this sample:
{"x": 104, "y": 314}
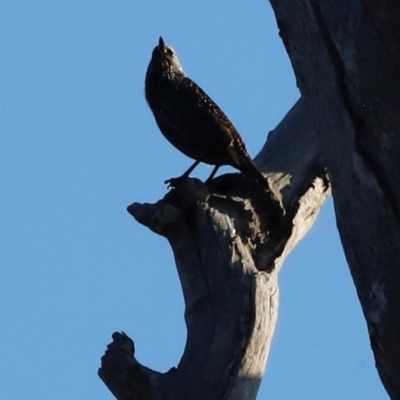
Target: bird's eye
{"x": 170, "y": 52}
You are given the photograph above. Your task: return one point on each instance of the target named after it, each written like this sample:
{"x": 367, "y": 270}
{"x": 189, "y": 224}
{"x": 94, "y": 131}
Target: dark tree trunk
{"x": 230, "y": 240}
{"x": 346, "y": 57}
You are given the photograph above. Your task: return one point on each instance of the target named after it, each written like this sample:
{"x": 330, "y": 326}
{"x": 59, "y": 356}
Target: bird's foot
{"x": 174, "y": 182}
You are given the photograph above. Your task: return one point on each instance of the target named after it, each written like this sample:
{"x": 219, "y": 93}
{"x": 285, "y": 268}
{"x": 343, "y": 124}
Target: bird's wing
{"x": 195, "y": 125}
{"x": 215, "y": 127}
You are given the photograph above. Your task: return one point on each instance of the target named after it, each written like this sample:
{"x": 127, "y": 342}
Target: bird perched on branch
{"x": 190, "y": 120}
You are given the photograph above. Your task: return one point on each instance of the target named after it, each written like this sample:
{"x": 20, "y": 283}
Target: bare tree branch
{"x": 229, "y": 241}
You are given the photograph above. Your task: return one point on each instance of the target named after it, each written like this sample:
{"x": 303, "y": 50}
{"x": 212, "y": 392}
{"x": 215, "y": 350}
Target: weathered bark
{"x": 229, "y": 241}
{"x": 346, "y": 57}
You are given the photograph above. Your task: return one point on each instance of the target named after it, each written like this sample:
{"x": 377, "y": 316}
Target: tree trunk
{"x": 346, "y": 57}
{"x": 230, "y": 240}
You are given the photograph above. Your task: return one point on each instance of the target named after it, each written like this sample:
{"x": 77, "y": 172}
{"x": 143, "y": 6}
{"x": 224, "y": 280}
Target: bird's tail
{"x": 247, "y": 167}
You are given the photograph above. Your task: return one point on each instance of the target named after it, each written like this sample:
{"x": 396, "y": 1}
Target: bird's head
{"x": 165, "y": 59}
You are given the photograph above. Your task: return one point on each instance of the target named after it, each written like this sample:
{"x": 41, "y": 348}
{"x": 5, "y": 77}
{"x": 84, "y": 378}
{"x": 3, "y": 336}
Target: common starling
{"x": 190, "y": 120}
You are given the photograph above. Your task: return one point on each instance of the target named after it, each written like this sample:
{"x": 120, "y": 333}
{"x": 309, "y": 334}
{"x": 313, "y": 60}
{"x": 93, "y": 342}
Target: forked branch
{"x": 229, "y": 241}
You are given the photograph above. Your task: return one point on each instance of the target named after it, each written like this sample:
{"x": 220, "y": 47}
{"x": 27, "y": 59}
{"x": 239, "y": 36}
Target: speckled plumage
{"x": 190, "y": 120}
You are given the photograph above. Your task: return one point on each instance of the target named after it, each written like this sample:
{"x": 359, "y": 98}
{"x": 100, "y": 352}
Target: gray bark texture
{"x": 230, "y": 241}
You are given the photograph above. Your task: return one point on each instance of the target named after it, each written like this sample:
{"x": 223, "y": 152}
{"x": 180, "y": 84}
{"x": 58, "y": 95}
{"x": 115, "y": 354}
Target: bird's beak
{"x": 161, "y": 44}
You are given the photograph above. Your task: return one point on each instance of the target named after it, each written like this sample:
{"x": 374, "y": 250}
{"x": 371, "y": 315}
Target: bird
{"x": 191, "y": 121}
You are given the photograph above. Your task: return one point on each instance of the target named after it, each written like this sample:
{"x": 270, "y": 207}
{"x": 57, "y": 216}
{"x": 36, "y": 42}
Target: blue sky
{"x": 78, "y": 144}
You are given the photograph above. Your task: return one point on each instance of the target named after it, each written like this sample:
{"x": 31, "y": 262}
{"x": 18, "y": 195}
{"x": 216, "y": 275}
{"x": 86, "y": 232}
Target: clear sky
{"x": 78, "y": 144}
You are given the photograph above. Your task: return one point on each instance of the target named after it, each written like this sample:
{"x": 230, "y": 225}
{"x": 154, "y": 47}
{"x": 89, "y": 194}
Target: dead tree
{"x": 230, "y": 240}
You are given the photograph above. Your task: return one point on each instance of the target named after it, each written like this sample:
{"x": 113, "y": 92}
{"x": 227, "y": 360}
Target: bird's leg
{"x": 214, "y": 171}
{"x": 189, "y": 171}
{"x": 174, "y": 181}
